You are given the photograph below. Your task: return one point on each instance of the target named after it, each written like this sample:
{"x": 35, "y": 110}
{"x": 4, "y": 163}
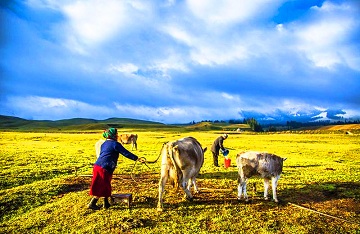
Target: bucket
{"x": 225, "y": 152}
{"x": 227, "y": 162}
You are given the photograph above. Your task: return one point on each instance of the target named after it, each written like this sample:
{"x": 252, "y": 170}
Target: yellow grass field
{"x": 45, "y": 180}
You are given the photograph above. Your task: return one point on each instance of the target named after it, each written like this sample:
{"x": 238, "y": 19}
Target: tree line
{"x": 257, "y": 127}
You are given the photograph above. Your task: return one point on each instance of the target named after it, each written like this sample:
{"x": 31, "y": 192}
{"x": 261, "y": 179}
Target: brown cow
{"x": 129, "y": 139}
{"x": 181, "y": 163}
{"x": 267, "y": 166}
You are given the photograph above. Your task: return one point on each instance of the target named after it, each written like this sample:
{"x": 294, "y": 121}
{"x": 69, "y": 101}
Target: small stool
{"x": 126, "y": 198}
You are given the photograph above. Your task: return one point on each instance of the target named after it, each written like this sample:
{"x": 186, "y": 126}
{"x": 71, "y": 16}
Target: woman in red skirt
{"x": 104, "y": 167}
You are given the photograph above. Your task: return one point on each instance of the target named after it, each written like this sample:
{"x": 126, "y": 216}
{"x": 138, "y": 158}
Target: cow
{"x": 98, "y": 147}
{"x": 124, "y": 139}
{"x": 181, "y": 163}
{"x": 129, "y": 139}
{"x": 265, "y": 165}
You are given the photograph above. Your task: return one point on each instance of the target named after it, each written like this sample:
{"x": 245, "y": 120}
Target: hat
{"x": 110, "y": 133}
{"x": 225, "y": 135}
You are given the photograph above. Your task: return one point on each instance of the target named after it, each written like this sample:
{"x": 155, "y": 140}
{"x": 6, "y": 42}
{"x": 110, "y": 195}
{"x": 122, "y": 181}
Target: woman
{"x": 217, "y": 146}
{"x": 104, "y": 167}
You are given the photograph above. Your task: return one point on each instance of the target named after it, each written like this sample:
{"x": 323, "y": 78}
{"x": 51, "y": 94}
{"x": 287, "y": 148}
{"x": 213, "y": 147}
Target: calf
{"x": 181, "y": 163}
{"x": 129, "y": 139}
{"x": 265, "y": 165}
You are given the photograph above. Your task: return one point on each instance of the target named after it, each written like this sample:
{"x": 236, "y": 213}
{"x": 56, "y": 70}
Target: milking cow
{"x": 129, "y": 139}
{"x": 181, "y": 163}
{"x": 268, "y": 166}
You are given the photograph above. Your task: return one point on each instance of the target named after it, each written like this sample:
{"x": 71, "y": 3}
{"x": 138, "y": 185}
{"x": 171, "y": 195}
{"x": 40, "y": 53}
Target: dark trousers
{"x": 215, "y": 158}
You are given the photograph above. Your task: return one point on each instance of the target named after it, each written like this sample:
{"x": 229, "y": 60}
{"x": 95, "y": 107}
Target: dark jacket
{"x": 109, "y": 155}
{"x": 217, "y": 145}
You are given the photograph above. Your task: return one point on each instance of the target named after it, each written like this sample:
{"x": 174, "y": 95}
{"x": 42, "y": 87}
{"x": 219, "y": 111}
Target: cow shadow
{"x": 217, "y": 197}
{"x": 308, "y": 194}
{"x": 218, "y": 175}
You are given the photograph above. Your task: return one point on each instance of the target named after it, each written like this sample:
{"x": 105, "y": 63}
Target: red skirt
{"x": 101, "y": 182}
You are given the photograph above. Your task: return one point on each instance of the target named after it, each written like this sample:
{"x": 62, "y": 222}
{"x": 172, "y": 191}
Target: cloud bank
{"x": 178, "y": 61}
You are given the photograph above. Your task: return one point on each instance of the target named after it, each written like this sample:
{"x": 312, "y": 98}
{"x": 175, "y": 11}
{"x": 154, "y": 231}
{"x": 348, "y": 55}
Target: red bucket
{"x": 227, "y": 162}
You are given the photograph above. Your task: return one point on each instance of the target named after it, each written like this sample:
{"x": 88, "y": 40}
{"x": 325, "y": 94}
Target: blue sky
{"x": 178, "y": 61}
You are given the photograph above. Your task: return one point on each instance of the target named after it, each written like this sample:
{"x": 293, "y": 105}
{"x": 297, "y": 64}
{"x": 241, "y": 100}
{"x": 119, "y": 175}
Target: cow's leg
{"x": 185, "y": 187}
{"x": 266, "y": 188}
{"x": 189, "y": 183}
{"x": 162, "y": 182}
{"x": 274, "y": 181}
{"x": 242, "y": 189}
{"x": 134, "y": 145}
{"x": 196, "y": 189}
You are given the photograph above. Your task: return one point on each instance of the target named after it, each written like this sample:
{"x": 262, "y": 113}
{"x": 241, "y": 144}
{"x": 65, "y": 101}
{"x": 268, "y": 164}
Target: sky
{"x": 176, "y": 61}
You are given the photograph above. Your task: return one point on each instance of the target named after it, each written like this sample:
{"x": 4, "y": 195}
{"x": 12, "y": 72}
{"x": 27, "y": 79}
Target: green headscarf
{"x": 110, "y": 133}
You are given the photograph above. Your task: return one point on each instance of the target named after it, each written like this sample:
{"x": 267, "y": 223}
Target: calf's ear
{"x": 204, "y": 150}
{"x": 284, "y": 159}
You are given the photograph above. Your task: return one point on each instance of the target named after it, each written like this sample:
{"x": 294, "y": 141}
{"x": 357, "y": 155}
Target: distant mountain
{"x": 298, "y": 115}
{"x": 15, "y": 123}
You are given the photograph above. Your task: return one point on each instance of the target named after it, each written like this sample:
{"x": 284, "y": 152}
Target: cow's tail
{"x": 175, "y": 172}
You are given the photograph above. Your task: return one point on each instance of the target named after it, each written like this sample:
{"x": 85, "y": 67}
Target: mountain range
{"x": 299, "y": 115}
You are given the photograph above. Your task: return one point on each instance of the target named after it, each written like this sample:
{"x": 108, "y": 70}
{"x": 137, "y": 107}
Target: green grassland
{"x": 45, "y": 178}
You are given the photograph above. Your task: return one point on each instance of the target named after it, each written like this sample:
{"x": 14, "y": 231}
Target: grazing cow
{"x": 267, "y": 166}
{"x": 181, "y": 163}
{"x": 98, "y": 147}
{"x": 128, "y": 139}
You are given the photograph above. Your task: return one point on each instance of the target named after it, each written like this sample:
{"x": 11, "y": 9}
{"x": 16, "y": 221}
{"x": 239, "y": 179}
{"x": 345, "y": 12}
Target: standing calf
{"x": 129, "y": 139}
{"x": 265, "y": 165}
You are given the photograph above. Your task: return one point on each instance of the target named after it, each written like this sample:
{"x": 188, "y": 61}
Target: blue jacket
{"x": 109, "y": 155}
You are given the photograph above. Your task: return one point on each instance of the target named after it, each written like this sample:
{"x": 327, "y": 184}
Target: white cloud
{"x": 179, "y": 34}
{"x": 230, "y": 11}
{"x": 127, "y": 68}
{"x": 94, "y": 21}
{"x": 219, "y": 54}
{"x": 324, "y": 39}
{"x": 53, "y": 108}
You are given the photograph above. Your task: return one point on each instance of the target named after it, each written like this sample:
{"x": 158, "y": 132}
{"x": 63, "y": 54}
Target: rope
{"x": 318, "y": 212}
{"x": 145, "y": 162}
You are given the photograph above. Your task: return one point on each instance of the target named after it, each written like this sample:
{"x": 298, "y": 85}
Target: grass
{"x": 44, "y": 186}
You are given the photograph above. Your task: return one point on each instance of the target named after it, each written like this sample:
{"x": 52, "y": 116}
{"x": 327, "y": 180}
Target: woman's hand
{"x": 142, "y": 160}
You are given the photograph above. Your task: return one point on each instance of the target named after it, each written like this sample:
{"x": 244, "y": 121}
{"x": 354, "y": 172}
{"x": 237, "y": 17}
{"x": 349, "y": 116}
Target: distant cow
{"x": 129, "y": 139}
{"x": 181, "y": 163}
{"x": 267, "y": 166}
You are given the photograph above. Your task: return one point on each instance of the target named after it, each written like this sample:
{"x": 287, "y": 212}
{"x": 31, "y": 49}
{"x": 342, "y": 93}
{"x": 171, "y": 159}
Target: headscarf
{"x": 110, "y": 133}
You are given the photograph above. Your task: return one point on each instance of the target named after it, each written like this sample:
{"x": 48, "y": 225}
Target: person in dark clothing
{"x": 216, "y": 146}
{"x": 104, "y": 167}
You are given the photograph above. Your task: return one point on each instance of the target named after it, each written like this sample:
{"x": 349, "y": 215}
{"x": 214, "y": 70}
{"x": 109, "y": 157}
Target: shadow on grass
{"x": 214, "y": 196}
{"x": 304, "y": 166}
{"x": 219, "y": 175}
{"x": 321, "y": 192}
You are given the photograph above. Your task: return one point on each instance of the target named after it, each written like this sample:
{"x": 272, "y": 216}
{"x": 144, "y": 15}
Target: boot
{"x": 106, "y": 203}
{"x": 92, "y": 205}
